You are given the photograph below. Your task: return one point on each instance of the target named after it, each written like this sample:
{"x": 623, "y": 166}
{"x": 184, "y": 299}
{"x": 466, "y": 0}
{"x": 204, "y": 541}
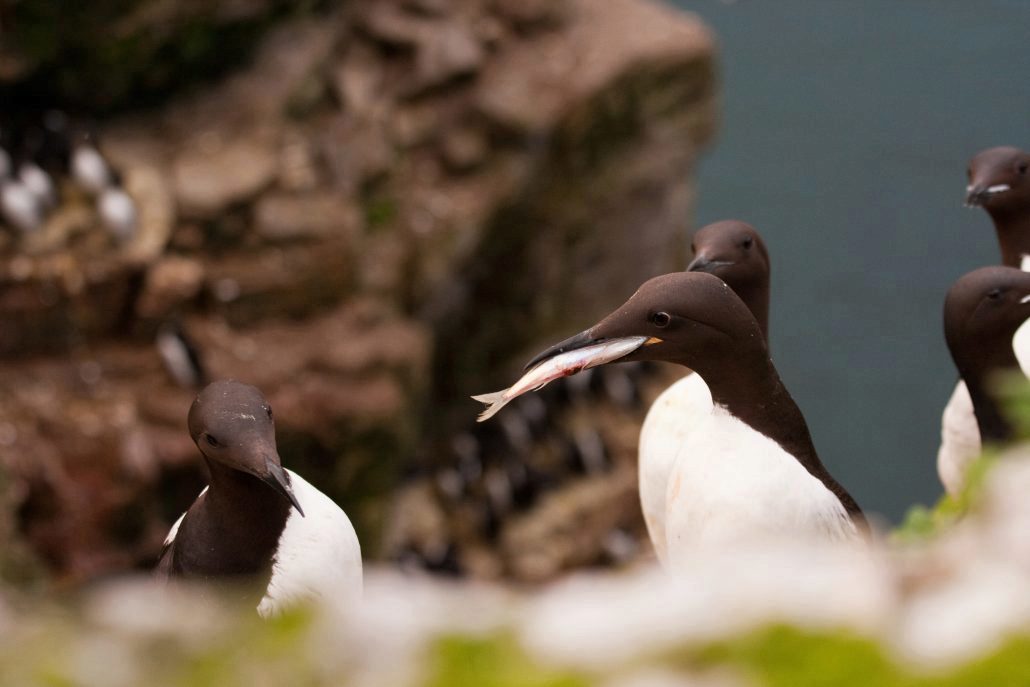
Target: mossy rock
{"x": 118, "y": 54}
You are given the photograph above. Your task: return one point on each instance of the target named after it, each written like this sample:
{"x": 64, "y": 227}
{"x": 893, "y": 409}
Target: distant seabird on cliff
{"x": 88, "y": 167}
{"x": 733, "y": 251}
{"x": 117, "y": 212}
{"x": 180, "y": 355}
{"x": 39, "y": 183}
{"x": 19, "y": 206}
{"x": 255, "y": 519}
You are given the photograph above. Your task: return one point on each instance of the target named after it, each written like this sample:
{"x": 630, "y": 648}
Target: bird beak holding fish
{"x": 577, "y": 353}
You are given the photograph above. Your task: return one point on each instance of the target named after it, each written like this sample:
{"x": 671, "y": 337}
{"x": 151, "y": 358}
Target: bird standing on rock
{"x": 256, "y": 519}
{"x": 733, "y": 251}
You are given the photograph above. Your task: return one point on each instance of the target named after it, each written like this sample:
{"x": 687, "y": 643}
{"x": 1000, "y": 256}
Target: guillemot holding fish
{"x": 733, "y": 251}
{"x": 750, "y": 468}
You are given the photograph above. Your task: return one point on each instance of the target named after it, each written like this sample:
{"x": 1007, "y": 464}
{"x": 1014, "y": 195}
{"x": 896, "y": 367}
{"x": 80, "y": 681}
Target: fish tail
{"x": 494, "y": 401}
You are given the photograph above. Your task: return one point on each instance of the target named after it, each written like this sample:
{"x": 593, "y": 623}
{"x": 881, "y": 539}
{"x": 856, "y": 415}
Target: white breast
{"x": 960, "y": 439}
{"x": 117, "y": 212}
{"x": 671, "y": 418}
{"x": 89, "y": 169}
{"x": 39, "y": 183}
{"x": 1021, "y": 347}
{"x": 318, "y": 557}
{"x": 19, "y": 207}
{"x": 960, "y": 435}
{"x": 731, "y": 483}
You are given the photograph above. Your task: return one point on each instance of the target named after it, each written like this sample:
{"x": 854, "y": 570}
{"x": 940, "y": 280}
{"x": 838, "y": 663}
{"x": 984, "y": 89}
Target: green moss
{"x": 271, "y": 651}
{"x": 1014, "y": 392}
{"x": 495, "y": 661}
{"x": 1009, "y": 666}
{"x": 310, "y": 94}
{"x": 921, "y": 523}
{"x": 785, "y": 656}
{"x": 98, "y": 56}
{"x": 251, "y": 651}
{"x": 379, "y": 212}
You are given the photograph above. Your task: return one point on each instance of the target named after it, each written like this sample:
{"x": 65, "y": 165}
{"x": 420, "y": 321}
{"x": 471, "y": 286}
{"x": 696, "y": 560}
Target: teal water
{"x": 846, "y": 130}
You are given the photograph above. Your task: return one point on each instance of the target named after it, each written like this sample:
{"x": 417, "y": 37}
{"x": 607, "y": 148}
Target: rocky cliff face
{"x": 380, "y": 211}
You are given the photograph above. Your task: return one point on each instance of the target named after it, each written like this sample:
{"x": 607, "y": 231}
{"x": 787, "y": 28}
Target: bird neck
{"x": 241, "y": 496}
{"x": 233, "y": 529}
{"x": 978, "y": 375}
{"x": 754, "y": 393}
{"x": 1013, "y": 230}
{"x": 756, "y": 298}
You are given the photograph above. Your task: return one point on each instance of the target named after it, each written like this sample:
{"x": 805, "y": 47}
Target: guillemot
{"x": 117, "y": 212}
{"x": 180, "y": 355}
{"x": 750, "y": 467}
{"x": 88, "y": 167}
{"x": 733, "y": 251}
{"x": 256, "y": 519}
{"x": 39, "y": 183}
{"x": 985, "y": 314}
{"x": 19, "y": 206}
{"x": 998, "y": 182}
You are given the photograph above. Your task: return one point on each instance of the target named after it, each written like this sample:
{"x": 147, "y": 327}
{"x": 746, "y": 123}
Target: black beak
{"x": 703, "y": 264}
{"x": 976, "y": 195}
{"x": 280, "y": 481}
{"x": 581, "y": 340}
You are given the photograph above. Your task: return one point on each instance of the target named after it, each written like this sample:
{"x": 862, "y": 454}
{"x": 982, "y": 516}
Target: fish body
{"x": 561, "y": 365}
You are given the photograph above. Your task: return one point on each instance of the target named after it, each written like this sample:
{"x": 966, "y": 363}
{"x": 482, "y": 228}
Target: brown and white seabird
{"x": 750, "y": 468}
{"x": 999, "y": 182}
{"x": 255, "y": 519}
{"x": 733, "y": 251}
{"x": 985, "y": 312}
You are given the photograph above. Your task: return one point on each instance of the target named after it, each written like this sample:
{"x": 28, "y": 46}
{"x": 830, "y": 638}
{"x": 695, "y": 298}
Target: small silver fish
{"x": 561, "y": 365}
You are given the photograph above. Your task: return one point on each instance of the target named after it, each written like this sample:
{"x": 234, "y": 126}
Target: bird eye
{"x": 660, "y": 319}
{"x": 747, "y": 242}
{"x": 994, "y": 294}
{"x": 211, "y": 440}
{"x": 269, "y": 411}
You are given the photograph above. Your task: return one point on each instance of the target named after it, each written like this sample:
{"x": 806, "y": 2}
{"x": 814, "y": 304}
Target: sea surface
{"x": 846, "y": 130}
